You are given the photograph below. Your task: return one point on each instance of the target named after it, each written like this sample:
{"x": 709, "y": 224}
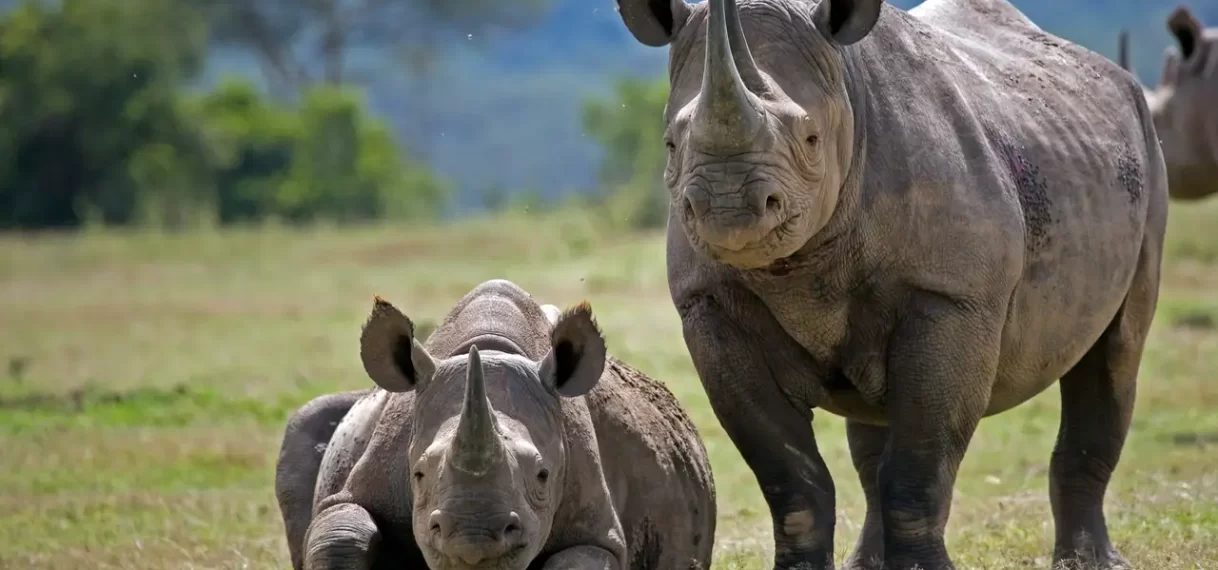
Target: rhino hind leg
{"x": 866, "y": 448}
{"x": 1097, "y": 407}
{"x": 308, "y": 431}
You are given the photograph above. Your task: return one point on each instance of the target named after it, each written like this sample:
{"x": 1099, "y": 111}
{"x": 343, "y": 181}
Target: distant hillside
{"x": 507, "y": 116}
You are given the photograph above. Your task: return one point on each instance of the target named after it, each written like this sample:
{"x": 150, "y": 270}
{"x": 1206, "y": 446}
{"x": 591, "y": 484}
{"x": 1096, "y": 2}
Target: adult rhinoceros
{"x": 1185, "y": 106}
{"x": 510, "y": 441}
{"x": 913, "y": 220}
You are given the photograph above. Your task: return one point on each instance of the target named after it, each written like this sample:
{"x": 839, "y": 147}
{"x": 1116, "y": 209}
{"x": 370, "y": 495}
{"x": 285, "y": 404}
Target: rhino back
{"x": 656, "y": 468}
{"x": 495, "y": 315}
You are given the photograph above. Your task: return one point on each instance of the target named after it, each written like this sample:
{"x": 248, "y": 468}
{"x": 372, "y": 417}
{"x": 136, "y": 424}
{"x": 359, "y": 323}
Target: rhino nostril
{"x": 512, "y": 529}
{"x": 697, "y": 201}
{"x": 438, "y": 522}
{"x": 772, "y": 203}
{"x": 688, "y": 212}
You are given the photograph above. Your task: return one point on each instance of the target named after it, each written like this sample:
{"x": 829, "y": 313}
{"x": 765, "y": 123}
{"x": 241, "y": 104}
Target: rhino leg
{"x": 867, "y": 444}
{"x": 738, "y": 361}
{"x": 1097, "y": 406}
{"x": 309, "y": 430}
{"x": 582, "y": 558}
{"x": 942, "y": 363}
{"x": 341, "y": 537}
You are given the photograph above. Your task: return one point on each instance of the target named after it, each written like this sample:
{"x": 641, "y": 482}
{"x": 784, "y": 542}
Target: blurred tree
{"x": 248, "y": 145}
{"x": 88, "y": 113}
{"x": 348, "y": 168}
{"x": 325, "y": 160}
{"x": 95, "y": 126}
{"x": 630, "y": 129}
{"x": 286, "y": 34}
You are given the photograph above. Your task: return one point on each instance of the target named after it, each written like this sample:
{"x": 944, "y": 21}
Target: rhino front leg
{"x": 582, "y": 558}
{"x": 341, "y": 537}
{"x": 740, "y": 362}
{"x": 942, "y": 362}
{"x": 867, "y": 443}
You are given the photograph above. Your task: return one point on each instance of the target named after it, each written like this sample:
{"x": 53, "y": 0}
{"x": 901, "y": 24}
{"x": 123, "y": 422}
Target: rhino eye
{"x": 813, "y": 140}
{"x": 418, "y": 476}
{"x": 543, "y": 475}
{"x": 671, "y": 146}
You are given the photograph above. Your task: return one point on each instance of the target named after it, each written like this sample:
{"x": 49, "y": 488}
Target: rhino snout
{"x": 476, "y": 538}
{"x": 733, "y": 222}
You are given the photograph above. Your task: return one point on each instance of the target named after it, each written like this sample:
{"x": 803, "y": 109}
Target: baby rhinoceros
{"x": 510, "y": 441}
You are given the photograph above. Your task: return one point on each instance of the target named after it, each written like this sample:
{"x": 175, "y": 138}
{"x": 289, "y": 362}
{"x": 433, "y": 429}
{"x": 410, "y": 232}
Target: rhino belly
{"x": 1051, "y": 327}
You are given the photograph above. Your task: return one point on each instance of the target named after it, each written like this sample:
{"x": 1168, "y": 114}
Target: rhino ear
{"x": 846, "y": 21}
{"x": 577, "y": 353}
{"x": 1187, "y": 30}
{"x": 654, "y": 22}
{"x": 392, "y": 356}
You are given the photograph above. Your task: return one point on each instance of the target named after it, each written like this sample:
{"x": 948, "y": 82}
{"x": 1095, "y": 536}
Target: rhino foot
{"x": 858, "y": 562}
{"x": 803, "y": 566}
{"x": 1089, "y": 559}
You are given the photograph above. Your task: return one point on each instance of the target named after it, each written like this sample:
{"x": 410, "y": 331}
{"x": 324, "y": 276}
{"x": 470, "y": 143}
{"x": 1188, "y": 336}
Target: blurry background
{"x": 187, "y": 112}
{"x": 198, "y": 199}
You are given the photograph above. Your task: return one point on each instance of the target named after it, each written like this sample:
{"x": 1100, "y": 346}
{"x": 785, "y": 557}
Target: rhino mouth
{"x": 767, "y": 248}
{"x": 513, "y": 558}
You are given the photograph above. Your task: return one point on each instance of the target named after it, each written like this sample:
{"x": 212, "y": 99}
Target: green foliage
{"x": 630, "y": 129}
{"x": 89, "y": 118}
{"x": 348, "y": 167}
{"x": 249, "y": 147}
{"x": 325, "y": 160}
{"x": 96, "y": 127}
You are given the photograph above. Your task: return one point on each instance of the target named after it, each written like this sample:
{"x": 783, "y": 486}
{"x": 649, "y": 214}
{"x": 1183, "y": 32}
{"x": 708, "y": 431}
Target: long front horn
{"x": 728, "y": 115}
{"x": 746, "y": 66}
{"x": 476, "y": 446}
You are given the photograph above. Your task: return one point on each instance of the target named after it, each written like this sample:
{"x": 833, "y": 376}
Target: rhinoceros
{"x": 510, "y": 441}
{"x": 1185, "y": 105}
{"x": 914, "y": 220}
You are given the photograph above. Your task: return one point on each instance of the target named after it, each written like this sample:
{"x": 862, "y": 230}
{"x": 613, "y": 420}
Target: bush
{"x": 630, "y": 129}
{"x": 326, "y": 160}
{"x": 94, "y": 126}
{"x": 89, "y": 119}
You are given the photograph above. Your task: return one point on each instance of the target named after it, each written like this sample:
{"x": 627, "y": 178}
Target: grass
{"x": 145, "y": 379}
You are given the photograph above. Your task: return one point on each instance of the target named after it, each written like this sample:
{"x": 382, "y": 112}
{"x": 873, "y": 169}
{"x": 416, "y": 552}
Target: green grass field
{"x": 145, "y": 379}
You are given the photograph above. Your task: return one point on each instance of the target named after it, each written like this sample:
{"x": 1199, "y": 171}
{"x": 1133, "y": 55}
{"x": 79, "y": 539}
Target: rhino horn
{"x": 477, "y": 445}
{"x": 1123, "y": 50}
{"x": 746, "y": 66}
{"x": 729, "y": 116}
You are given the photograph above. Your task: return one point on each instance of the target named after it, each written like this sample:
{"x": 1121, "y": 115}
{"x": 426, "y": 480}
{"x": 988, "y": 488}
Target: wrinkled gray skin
{"x": 510, "y": 441}
{"x": 1185, "y": 106}
{"x": 912, "y": 220}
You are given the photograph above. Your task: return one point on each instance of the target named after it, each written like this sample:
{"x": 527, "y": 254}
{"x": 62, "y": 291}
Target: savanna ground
{"x": 145, "y": 380}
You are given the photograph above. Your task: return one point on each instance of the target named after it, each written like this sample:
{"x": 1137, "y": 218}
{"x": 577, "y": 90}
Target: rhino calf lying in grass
{"x": 1185, "y": 106}
{"x": 510, "y": 441}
